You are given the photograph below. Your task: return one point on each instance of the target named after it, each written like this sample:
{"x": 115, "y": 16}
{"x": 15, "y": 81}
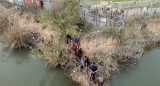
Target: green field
{"x": 94, "y": 2}
{"x": 115, "y": 0}
{"x": 86, "y": 3}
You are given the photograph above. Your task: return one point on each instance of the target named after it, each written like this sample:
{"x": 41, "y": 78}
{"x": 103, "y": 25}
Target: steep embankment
{"x": 113, "y": 54}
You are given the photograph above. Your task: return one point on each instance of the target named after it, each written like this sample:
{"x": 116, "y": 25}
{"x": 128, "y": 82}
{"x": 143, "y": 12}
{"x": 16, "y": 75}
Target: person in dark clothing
{"x": 79, "y": 53}
{"x": 69, "y": 38}
{"x": 93, "y": 70}
{"x": 87, "y": 62}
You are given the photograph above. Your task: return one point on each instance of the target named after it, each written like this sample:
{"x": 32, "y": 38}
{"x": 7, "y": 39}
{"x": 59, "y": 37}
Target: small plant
{"x": 21, "y": 12}
{"x": 36, "y": 20}
{"x": 44, "y": 27}
{"x": 85, "y": 26}
{"x": 111, "y": 31}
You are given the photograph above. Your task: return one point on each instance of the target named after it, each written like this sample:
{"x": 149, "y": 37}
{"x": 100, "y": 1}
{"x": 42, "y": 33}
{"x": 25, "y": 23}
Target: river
{"x": 145, "y": 73}
{"x": 20, "y": 68}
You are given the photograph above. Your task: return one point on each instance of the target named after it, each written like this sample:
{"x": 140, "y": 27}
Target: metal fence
{"x": 124, "y": 4}
{"x": 129, "y": 14}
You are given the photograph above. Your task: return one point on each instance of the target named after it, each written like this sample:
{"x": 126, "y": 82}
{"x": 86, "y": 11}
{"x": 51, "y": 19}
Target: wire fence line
{"x": 98, "y": 19}
{"x": 123, "y": 4}
{"x": 128, "y": 4}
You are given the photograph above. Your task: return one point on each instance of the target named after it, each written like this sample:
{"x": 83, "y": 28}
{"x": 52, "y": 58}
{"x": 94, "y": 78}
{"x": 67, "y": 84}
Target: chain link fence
{"x": 99, "y": 17}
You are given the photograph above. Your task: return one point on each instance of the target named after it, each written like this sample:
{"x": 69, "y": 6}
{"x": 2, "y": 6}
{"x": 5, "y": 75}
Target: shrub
{"x": 65, "y": 16}
{"x": 3, "y": 22}
{"x": 17, "y": 37}
{"x": 6, "y": 4}
{"x": 36, "y": 19}
{"x": 52, "y": 51}
{"x": 85, "y": 26}
{"x": 111, "y": 31}
{"x": 44, "y": 27}
{"x": 30, "y": 9}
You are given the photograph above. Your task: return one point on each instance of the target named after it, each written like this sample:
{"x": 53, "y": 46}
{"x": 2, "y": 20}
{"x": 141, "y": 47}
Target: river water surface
{"x": 20, "y": 68}
{"x": 145, "y": 73}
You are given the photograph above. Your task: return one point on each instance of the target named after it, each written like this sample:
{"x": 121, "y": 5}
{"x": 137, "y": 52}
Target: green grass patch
{"x": 116, "y": 0}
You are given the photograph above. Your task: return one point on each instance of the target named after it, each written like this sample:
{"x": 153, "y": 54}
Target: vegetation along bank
{"x": 63, "y": 38}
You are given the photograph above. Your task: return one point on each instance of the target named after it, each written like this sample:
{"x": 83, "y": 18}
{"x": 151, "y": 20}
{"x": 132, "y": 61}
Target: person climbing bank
{"x": 82, "y": 64}
{"x": 93, "y": 70}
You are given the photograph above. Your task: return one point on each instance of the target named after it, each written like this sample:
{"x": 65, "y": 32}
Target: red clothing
{"x": 75, "y": 45}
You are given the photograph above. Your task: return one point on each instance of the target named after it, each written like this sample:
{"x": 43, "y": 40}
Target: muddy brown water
{"x": 145, "y": 73}
{"x": 20, "y": 68}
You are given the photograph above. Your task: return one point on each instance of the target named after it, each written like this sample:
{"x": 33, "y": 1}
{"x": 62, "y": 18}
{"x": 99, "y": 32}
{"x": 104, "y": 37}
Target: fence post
{"x": 96, "y": 20}
{"x": 84, "y": 14}
{"x": 99, "y": 20}
{"x": 106, "y": 19}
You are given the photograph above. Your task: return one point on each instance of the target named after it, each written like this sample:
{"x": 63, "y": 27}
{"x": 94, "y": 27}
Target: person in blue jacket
{"x": 82, "y": 64}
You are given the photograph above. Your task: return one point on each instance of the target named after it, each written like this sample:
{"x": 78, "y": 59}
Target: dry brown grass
{"x": 53, "y": 51}
{"x": 30, "y": 9}
{"x": 98, "y": 43}
{"x": 6, "y": 4}
{"x": 3, "y": 22}
{"x": 17, "y": 37}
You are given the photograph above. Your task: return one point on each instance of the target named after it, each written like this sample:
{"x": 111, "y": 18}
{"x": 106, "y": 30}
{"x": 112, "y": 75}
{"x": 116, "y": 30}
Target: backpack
{"x": 76, "y": 40}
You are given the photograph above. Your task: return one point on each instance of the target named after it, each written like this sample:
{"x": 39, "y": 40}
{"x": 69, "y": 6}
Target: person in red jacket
{"x": 75, "y": 46}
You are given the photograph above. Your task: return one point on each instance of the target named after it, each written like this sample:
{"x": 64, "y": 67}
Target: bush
{"x": 44, "y": 27}
{"x": 52, "y": 51}
{"x": 65, "y": 16}
{"x": 85, "y": 26}
{"x": 111, "y": 31}
{"x": 3, "y": 22}
{"x": 36, "y": 19}
{"x": 30, "y": 9}
{"x": 6, "y": 4}
{"x": 17, "y": 37}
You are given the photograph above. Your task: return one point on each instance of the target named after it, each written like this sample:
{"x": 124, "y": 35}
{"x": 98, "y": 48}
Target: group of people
{"x": 84, "y": 62}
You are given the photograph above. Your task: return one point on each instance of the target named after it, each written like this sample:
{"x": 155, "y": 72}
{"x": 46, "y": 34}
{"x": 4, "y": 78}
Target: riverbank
{"x": 112, "y": 50}
{"x": 141, "y": 73}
